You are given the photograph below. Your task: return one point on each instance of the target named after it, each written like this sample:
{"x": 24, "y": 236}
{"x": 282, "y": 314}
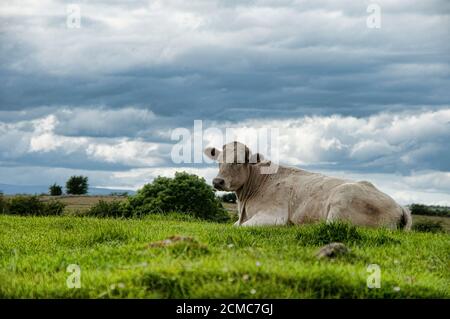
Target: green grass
{"x": 218, "y": 260}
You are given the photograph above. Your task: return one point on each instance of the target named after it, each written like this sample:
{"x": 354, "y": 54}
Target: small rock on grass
{"x": 332, "y": 250}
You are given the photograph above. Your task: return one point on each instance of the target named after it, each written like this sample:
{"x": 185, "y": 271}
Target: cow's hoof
{"x": 332, "y": 250}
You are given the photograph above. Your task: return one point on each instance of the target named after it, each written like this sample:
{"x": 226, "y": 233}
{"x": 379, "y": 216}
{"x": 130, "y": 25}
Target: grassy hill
{"x": 129, "y": 258}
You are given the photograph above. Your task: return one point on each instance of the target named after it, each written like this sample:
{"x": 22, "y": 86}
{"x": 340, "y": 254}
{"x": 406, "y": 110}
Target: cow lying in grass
{"x": 295, "y": 196}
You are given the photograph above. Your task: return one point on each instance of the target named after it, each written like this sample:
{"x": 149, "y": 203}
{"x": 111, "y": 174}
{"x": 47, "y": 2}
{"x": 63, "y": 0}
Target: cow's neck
{"x": 250, "y": 189}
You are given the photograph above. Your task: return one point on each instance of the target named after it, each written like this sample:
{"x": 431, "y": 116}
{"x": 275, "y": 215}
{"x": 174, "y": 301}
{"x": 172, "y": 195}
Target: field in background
{"x": 81, "y": 203}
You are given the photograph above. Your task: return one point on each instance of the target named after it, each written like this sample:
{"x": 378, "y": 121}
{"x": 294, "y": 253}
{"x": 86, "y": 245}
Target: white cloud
{"x": 124, "y": 151}
{"x": 366, "y": 150}
{"x": 43, "y": 139}
{"x": 39, "y": 136}
{"x": 411, "y": 140}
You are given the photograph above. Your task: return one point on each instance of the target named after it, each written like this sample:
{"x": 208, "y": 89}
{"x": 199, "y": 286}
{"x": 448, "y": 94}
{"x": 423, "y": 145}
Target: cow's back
{"x": 299, "y": 196}
{"x": 315, "y": 197}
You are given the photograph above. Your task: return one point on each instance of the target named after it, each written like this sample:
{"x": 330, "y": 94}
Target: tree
{"x": 77, "y": 185}
{"x": 184, "y": 193}
{"x": 55, "y": 190}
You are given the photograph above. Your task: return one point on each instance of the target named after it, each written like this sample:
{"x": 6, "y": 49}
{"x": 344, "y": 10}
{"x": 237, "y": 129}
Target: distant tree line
{"x": 430, "y": 210}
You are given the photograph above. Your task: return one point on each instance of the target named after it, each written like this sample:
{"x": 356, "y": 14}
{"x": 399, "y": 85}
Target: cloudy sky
{"x": 103, "y": 99}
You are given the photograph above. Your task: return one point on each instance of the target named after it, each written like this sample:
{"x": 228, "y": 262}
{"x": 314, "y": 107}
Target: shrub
{"x": 184, "y": 193}
{"x": 54, "y": 207}
{"x": 429, "y": 227}
{"x": 108, "y": 209}
{"x": 77, "y": 185}
{"x": 229, "y": 198}
{"x": 26, "y": 205}
{"x": 55, "y": 190}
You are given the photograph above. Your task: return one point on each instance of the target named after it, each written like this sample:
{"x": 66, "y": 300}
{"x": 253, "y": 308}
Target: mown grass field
{"x": 81, "y": 203}
{"x": 125, "y": 258}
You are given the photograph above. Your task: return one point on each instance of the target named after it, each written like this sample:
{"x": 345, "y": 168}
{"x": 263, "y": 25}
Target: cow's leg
{"x": 335, "y": 214}
{"x": 262, "y": 219}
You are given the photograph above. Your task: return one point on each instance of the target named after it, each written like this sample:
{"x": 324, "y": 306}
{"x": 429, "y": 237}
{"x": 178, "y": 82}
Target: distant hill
{"x": 39, "y": 189}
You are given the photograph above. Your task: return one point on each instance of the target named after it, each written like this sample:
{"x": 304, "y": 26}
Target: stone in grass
{"x": 332, "y": 250}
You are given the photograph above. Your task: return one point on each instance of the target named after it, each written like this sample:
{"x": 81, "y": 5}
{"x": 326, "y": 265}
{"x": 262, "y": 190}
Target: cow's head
{"x": 234, "y": 161}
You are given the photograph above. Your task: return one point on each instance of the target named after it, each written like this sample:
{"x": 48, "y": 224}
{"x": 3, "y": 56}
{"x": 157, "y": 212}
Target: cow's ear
{"x": 256, "y": 158}
{"x": 212, "y": 152}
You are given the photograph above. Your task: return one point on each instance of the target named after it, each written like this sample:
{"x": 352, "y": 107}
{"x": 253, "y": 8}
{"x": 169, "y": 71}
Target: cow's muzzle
{"x": 219, "y": 183}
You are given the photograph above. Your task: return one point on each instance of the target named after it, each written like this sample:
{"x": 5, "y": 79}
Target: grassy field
{"x": 128, "y": 258}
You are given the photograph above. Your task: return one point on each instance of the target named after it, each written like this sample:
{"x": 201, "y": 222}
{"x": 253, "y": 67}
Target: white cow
{"x": 295, "y": 196}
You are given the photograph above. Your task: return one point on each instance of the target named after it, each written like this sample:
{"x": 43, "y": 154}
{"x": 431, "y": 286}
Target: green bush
{"x": 429, "y": 227}
{"x": 186, "y": 193}
{"x": 54, "y": 207}
{"x": 25, "y": 205}
{"x": 108, "y": 209}
{"x": 55, "y": 190}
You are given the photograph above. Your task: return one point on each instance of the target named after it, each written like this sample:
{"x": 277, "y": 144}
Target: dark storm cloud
{"x": 321, "y": 59}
